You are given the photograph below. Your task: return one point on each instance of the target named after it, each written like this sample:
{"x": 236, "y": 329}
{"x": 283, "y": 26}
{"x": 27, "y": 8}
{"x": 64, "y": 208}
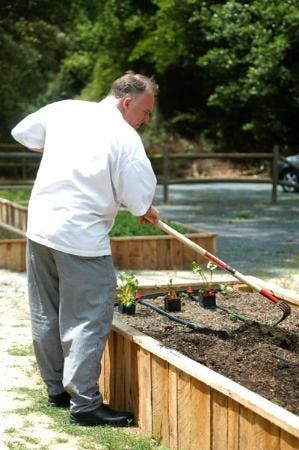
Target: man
{"x": 93, "y": 161}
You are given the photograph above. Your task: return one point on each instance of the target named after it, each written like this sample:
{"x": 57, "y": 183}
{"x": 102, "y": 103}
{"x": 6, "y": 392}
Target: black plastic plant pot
{"x": 172, "y": 304}
{"x": 124, "y": 309}
{"x": 207, "y": 301}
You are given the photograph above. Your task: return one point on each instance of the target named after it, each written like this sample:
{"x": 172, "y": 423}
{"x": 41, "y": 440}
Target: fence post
{"x": 165, "y": 174}
{"x": 274, "y": 174}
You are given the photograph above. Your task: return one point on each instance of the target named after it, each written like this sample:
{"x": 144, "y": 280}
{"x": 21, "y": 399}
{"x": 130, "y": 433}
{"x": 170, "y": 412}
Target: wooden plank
{"x": 13, "y": 254}
{"x": 257, "y": 432}
{"x": 150, "y": 254}
{"x": 119, "y": 379}
{"x": 200, "y": 425}
{"x": 135, "y": 256}
{"x": 233, "y": 423}
{"x": 173, "y": 407}
{"x": 184, "y": 410}
{"x": 109, "y": 375}
{"x": 134, "y": 382}
{"x": 267, "y": 434}
{"x": 163, "y": 254}
{"x": 160, "y": 392}
{"x": 288, "y": 442}
{"x": 127, "y": 373}
{"x": 270, "y": 411}
{"x": 176, "y": 254}
{"x": 219, "y": 421}
{"x": 145, "y": 382}
{"x": 102, "y": 375}
{"x": 116, "y": 253}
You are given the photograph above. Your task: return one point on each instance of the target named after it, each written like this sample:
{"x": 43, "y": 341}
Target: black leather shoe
{"x": 60, "y": 400}
{"x": 104, "y": 415}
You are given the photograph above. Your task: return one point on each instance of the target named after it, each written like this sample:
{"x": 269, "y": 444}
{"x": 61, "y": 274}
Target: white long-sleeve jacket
{"x": 93, "y": 161}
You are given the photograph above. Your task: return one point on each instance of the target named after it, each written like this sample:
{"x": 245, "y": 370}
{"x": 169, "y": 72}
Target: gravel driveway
{"x": 255, "y": 237}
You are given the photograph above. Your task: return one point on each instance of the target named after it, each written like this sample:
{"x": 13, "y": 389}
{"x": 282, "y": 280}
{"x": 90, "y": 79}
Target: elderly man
{"x": 93, "y": 161}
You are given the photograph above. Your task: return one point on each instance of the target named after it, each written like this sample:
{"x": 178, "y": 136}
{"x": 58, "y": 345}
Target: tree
{"x": 33, "y": 41}
{"x": 253, "y": 66}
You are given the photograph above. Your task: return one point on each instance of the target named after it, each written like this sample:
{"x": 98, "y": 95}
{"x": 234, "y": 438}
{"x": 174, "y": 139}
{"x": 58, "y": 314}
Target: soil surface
{"x": 236, "y": 339}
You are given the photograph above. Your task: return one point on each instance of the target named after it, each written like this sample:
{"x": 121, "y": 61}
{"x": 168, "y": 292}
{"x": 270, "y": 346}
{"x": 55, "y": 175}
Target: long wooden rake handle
{"x": 198, "y": 249}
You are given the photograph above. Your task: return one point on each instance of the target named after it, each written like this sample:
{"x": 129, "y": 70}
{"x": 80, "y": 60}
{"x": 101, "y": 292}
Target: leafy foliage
{"x": 32, "y": 45}
{"x": 128, "y": 288}
{"x": 227, "y": 70}
{"x": 253, "y": 70}
{"x": 206, "y": 287}
{"x": 128, "y": 225}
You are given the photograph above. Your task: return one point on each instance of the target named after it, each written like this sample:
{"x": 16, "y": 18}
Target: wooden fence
{"x": 167, "y": 158}
{"x": 12, "y": 155}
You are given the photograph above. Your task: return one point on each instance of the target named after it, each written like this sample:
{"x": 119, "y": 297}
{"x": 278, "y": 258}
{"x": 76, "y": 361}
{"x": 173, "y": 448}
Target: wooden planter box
{"x": 160, "y": 252}
{"x": 186, "y": 405}
{"x": 133, "y": 252}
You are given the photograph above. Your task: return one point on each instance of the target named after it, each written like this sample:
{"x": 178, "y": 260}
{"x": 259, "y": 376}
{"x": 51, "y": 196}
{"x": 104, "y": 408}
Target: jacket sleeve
{"x": 134, "y": 181}
{"x": 31, "y": 131}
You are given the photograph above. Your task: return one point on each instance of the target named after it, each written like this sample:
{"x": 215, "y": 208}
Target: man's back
{"x": 88, "y": 152}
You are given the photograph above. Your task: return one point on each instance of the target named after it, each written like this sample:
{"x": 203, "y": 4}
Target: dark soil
{"x": 252, "y": 352}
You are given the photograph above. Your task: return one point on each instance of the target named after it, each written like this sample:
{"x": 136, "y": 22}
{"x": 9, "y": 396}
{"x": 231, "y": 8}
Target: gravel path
{"x": 19, "y": 375}
{"x": 254, "y": 236}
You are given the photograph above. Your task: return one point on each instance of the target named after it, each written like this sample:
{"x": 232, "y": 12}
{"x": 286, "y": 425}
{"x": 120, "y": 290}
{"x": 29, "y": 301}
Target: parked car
{"x": 288, "y": 172}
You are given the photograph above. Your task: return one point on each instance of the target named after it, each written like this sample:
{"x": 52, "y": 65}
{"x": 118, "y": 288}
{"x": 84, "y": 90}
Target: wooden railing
{"x": 167, "y": 158}
{"x": 15, "y": 156}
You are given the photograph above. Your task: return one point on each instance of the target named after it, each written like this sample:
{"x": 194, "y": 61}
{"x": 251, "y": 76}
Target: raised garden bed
{"x": 150, "y": 252}
{"x": 234, "y": 384}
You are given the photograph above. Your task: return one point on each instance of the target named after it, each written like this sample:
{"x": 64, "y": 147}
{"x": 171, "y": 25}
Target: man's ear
{"x": 126, "y": 102}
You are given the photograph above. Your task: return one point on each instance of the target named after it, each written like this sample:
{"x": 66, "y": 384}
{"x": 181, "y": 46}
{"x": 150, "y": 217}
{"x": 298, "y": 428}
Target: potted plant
{"x": 127, "y": 293}
{"x": 206, "y": 292}
{"x": 172, "y": 300}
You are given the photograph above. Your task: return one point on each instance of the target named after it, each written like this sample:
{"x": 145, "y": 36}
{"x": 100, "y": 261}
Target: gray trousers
{"x": 71, "y": 314}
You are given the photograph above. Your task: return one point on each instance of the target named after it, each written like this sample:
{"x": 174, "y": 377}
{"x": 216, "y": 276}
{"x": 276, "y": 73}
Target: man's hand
{"x": 151, "y": 216}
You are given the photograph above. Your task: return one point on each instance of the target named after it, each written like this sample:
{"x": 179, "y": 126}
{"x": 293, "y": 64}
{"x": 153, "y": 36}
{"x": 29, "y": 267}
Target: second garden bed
{"x": 152, "y": 250}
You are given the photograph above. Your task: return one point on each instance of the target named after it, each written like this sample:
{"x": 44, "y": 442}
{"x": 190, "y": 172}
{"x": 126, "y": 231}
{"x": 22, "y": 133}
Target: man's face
{"x": 136, "y": 110}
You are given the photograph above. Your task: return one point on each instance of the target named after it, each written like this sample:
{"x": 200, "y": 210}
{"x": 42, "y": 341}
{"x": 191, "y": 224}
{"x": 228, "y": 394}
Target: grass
{"x": 89, "y": 437}
{"x": 20, "y": 350}
{"x": 20, "y": 195}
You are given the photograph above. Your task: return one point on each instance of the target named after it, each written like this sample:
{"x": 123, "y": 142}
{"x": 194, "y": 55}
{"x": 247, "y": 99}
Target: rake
{"x": 285, "y": 308}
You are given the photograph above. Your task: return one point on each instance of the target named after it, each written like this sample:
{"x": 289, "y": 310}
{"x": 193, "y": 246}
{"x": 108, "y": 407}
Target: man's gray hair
{"x": 134, "y": 84}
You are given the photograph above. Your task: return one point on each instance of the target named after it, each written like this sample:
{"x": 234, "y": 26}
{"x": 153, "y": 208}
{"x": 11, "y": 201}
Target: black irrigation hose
{"x": 191, "y": 325}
